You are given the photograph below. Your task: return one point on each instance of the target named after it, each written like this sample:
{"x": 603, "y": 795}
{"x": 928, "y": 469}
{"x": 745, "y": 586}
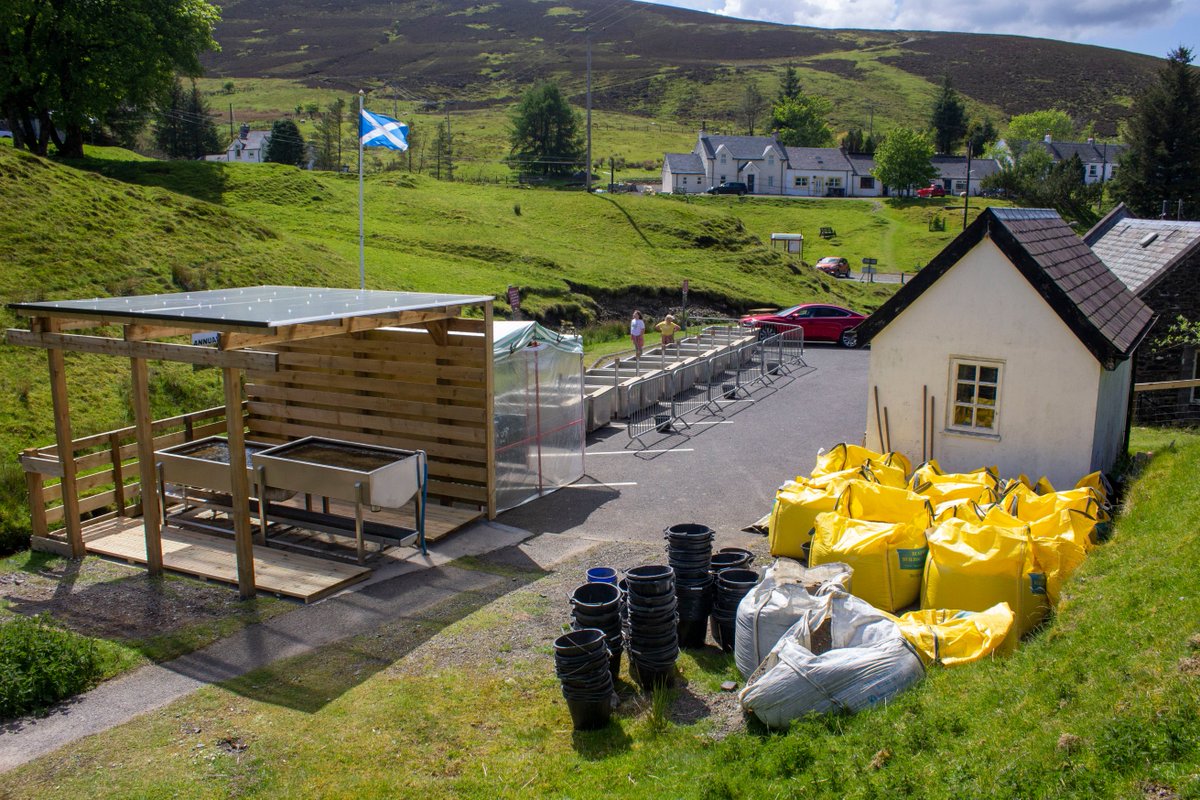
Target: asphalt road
{"x": 724, "y": 473}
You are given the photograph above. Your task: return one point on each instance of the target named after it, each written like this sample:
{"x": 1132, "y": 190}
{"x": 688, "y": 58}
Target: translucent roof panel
{"x": 254, "y": 306}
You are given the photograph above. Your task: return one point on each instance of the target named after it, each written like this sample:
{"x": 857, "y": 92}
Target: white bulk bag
{"x": 778, "y": 601}
{"x": 870, "y": 662}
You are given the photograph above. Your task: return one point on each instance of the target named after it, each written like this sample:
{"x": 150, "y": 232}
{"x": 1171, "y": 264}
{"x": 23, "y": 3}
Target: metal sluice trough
{"x": 204, "y": 464}
{"x": 366, "y": 475}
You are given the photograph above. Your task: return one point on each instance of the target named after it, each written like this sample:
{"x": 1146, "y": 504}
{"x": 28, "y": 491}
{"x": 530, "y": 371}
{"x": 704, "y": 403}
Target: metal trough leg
{"x": 358, "y": 522}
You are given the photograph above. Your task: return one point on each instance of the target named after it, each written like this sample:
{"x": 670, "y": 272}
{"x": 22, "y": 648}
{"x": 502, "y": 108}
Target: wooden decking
{"x": 212, "y": 557}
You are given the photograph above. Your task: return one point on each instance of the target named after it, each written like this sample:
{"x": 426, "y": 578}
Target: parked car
{"x": 836, "y": 266}
{"x": 728, "y": 187}
{"x": 820, "y": 323}
{"x": 933, "y": 190}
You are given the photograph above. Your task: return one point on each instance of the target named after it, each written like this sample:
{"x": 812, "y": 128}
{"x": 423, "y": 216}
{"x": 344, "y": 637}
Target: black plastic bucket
{"x": 692, "y": 632}
{"x": 737, "y": 580}
{"x": 650, "y": 580}
{"x": 579, "y": 643}
{"x": 651, "y": 678}
{"x": 723, "y": 561}
{"x": 589, "y": 715}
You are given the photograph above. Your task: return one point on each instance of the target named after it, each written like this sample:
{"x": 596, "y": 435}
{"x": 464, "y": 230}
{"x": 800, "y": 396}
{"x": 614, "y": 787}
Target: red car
{"x": 836, "y": 266}
{"x": 820, "y": 322}
{"x": 933, "y": 190}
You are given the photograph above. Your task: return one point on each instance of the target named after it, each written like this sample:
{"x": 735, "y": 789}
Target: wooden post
{"x": 114, "y": 445}
{"x": 489, "y": 412}
{"x": 66, "y": 452}
{"x": 143, "y": 424}
{"x": 37, "y": 504}
{"x": 239, "y": 483}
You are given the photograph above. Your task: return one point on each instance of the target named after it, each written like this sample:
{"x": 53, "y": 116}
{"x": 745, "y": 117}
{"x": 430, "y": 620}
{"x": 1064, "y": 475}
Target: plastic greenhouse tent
{"x": 539, "y": 410}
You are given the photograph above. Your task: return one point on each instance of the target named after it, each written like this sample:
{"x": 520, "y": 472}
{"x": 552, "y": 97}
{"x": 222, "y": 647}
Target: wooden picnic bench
{"x": 827, "y": 233}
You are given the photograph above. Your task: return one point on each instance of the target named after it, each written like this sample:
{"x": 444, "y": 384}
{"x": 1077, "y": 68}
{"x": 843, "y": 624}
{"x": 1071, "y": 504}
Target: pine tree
{"x": 545, "y": 135}
{"x": 286, "y": 145}
{"x": 183, "y": 126}
{"x": 1162, "y": 164}
{"x": 789, "y": 86}
{"x": 949, "y": 118}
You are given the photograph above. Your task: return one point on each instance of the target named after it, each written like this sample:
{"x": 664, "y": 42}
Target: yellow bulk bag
{"x": 956, "y": 637}
{"x": 792, "y": 517}
{"x": 834, "y": 480}
{"x": 931, "y": 472}
{"x": 885, "y": 474}
{"x": 1029, "y": 507}
{"x": 849, "y": 456}
{"x": 887, "y": 558}
{"x": 943, "y": 491}
{"x": 974, "y": 566}
{"x": 1098, "y": 484}
{"x": 877, "y": 503}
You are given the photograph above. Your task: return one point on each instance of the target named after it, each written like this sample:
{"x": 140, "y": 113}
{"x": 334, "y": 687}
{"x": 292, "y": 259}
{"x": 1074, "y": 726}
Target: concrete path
{"x": 723, "y": 473}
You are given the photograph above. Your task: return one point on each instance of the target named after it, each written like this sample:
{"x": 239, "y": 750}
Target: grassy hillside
{"x": 114, "y": 224}
{"x": 1101, "y": 703}
{"x": 658, "y": 62}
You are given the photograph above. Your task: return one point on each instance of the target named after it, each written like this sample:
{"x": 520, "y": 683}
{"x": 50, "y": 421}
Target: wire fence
{"x": 1173, "y": 403}
{"x": 710, "y": 382}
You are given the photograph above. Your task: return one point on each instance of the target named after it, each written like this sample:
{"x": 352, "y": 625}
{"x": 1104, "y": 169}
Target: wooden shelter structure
{"x": 398, "y": 369}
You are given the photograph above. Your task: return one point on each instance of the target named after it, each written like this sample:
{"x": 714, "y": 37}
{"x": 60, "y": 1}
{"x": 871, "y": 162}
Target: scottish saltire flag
{"x": 376, "y": 130}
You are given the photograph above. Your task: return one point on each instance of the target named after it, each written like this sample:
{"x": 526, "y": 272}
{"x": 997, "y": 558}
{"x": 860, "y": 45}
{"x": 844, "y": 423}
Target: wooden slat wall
{"x": 397, "y": 388}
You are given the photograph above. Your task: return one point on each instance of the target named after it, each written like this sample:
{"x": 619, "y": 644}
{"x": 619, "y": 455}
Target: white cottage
{"x": 1011, "y": 348}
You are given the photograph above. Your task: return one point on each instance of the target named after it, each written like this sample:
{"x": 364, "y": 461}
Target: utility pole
{"x": 449, "y": 146}
{"x": 231, "y": 122}
{"x": 588, "y": 167}
{"x": 612, "y": 181}
{"x": 967, "y": 194}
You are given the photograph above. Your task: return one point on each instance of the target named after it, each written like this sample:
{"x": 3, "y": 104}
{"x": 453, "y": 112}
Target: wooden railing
{"x": 108, "y": 471}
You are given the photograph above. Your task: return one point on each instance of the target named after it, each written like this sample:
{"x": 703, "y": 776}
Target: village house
{"x": 1159, "y": 261}
{"x": 767, "y": 167}
{"x": 1099, "y": 159}
{"x": 1036, "y": 377}
{"x": 248, "y": 147}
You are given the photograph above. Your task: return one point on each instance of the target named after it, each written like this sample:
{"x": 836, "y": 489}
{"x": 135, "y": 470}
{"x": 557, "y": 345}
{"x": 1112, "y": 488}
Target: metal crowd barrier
{"x": 712, "y": 381}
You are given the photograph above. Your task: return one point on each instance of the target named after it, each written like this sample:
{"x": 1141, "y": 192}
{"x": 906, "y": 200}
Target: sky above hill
{"x": 1154, "y": 27}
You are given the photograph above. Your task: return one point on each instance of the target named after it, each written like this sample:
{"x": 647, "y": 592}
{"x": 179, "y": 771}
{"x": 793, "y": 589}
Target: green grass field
{"x": 1100, "y": 703}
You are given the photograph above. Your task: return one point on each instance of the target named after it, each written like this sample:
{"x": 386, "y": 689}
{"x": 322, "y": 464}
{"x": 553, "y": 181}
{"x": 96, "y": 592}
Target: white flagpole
{"x": 362, "y": 261}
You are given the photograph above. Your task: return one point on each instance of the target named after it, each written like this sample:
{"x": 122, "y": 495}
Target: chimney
{"x": 1047, "y": 140}
{"x": 244, "y": 131}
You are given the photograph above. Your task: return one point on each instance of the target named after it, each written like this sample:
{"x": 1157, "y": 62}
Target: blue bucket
{"x": 602, "y": 575}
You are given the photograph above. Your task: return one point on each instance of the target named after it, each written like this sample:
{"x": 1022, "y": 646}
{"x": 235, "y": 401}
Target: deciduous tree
{"x": 545, "y": 135}
{"x": 801, "y": 121}
{"x": 1034, "y": 126}
{"x": 1163, "y": 134}
{"x": 753, "y": 105}
{"x": 902, "y": 161}
{"x": 66, "y": 63}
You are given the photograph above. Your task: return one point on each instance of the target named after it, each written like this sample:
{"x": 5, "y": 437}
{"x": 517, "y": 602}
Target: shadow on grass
{"x": 604, "y": 743}
{"x": 383, "y": 623}
{"x": 632, "y": 223}
{"x": 199, "y": 179}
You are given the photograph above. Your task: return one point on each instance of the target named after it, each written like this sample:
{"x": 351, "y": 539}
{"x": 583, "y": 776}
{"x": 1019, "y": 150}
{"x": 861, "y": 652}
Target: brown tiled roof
{"x": 1088, "y": 297}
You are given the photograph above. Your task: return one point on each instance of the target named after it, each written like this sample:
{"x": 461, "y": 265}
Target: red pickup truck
{"x": 932, "y": 190}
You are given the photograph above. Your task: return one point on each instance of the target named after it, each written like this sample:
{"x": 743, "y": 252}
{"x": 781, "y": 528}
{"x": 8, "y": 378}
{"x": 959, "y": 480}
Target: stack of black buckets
{"x": 654, "y": 611}
{"x": 581, "y": 659}
{"x": 689, "y": 552}
{"x": 732, "y": 585}
{"x": 653, "y": 634}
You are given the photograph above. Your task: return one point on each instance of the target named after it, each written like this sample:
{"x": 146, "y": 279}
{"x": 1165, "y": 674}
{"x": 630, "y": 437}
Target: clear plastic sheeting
{"x": 539, "y": 410}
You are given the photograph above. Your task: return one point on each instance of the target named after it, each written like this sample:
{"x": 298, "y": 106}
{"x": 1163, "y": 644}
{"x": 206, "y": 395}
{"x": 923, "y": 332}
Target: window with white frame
{"x": 770, "y": 161}
{"x": 960, "y": 186}
{"x": 770, "y": 180}
{"x": 834, "y": 183}
{"x": 975, "y": 395}
{"x": 1092, "y": 170}
{"x": 722, "y": 158}
{"x": 801, "y": 181}
{"x": 866, "y": 182}
{"x": 683, "y": 180}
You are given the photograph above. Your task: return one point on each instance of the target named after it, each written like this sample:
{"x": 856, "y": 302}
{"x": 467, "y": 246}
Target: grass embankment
{"x": 1102, "y": 703}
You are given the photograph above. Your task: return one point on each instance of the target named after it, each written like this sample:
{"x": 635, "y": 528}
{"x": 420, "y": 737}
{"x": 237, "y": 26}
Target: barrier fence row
{"x": 710, "y": 383}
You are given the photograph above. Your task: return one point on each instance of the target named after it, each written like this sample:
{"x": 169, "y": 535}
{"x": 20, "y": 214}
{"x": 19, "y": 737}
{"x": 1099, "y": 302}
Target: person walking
{"x": 637, "y": 332}
{"x": 668, "y": 329}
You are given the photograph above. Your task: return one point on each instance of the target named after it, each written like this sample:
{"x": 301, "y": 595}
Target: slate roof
{"x": 861, "y": 163}
{"x": 954, "y": 168}
{"x": 1088, "y": 152}
{"x": 684, "y": 163}
{"x": 743, "y": 148}
{"x": 1142, "y": 251}
{"x": 817, "y": 158}
{"x": 1106, "y": 317}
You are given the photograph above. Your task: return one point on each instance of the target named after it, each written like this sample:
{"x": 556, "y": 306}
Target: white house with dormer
{"x": 249, "y": 147}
